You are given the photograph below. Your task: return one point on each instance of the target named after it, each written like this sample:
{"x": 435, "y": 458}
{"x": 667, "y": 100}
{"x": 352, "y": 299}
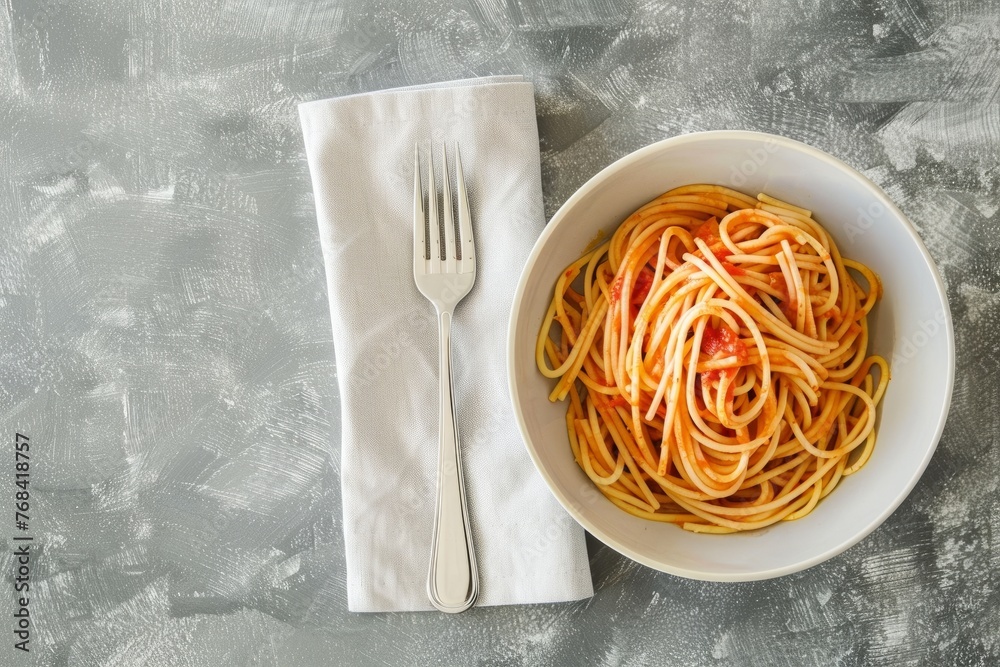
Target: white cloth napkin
{"x": 360, "y": 153}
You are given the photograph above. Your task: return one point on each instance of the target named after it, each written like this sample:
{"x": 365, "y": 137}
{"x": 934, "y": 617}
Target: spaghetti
{"x": 714, "y": 355}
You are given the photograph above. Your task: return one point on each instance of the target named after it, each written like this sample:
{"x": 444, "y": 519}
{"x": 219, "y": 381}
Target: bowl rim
{"x": 625, "y": 162}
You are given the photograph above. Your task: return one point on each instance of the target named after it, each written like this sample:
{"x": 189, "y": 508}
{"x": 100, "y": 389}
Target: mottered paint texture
{"x": 165, "y": 337}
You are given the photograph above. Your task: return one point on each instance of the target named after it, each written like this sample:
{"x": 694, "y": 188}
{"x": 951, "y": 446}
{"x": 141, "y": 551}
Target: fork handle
{"x": 453, "y": 580}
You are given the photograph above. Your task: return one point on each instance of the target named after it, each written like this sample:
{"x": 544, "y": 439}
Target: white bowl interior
{"x": 911, "y": 327}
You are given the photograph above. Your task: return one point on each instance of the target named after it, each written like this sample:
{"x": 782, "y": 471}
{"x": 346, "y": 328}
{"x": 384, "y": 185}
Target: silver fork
{"x": 445, "y": 279}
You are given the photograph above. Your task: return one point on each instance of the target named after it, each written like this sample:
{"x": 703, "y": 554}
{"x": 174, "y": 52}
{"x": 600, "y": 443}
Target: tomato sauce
{"x": 708, "y": 232}
{"x": 732, "y": 269}
{"x": 618, "y": 402}
{"x": 616, "y": 290}
{"x": 777, "y": 282}
{"x": 643, "y": 282}
{"x": 722, "y": 342}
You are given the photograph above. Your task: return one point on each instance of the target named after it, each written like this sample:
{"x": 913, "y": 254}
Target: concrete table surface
{"x": 165, "y": 341}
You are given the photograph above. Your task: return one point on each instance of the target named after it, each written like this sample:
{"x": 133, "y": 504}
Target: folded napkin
{"x": 360, "y": 153}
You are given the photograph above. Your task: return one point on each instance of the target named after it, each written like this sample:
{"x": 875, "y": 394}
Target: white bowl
{"x": 911, "y": 326}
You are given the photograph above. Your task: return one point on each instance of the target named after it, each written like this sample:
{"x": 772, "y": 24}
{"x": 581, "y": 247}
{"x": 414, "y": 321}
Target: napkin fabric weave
{"x": 360, "y": 154}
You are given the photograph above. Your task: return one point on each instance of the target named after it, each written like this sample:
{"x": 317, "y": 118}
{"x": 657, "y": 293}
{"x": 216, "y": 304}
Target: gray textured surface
{"x": 166, "y": 344}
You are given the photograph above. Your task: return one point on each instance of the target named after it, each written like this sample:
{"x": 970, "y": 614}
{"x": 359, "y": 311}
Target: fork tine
{"x": 450, "y": 256}
{"x": 433, "y": 226}
{"x": 468, "y": 262}
{"x": 419, "y": 221}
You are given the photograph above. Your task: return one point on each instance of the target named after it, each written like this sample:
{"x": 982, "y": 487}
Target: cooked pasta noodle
{"x": 714, "y": 357}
